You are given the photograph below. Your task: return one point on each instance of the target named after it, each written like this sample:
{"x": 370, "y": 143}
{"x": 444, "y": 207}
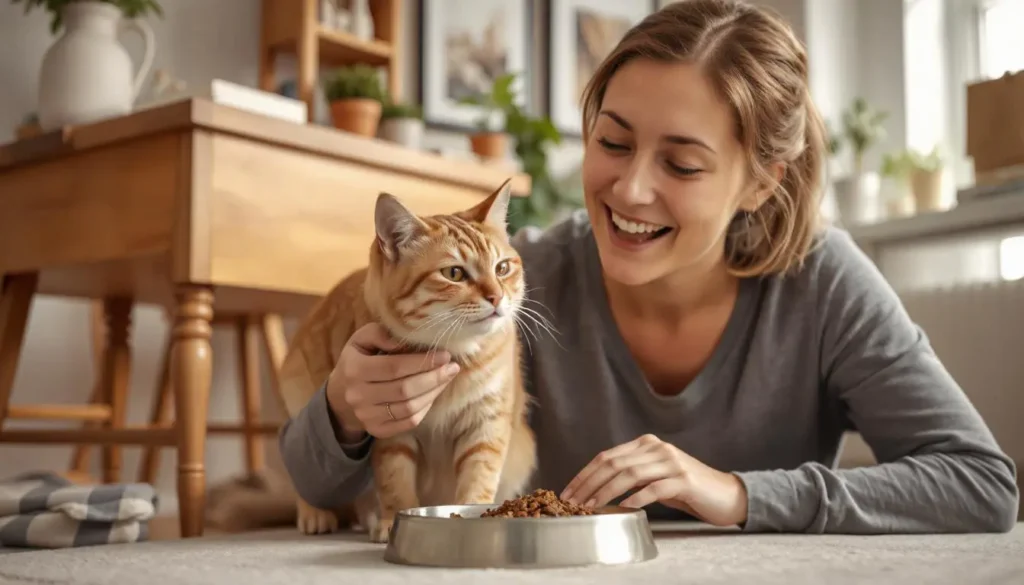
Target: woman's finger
{"x": 670, "y": 488}
{"x": 602, "y": 457}
{"x": 410, "y": 387}
{"x": 640, "y": 473}
{"x": 404, "y": 409}
{"x": 587, "y": 489}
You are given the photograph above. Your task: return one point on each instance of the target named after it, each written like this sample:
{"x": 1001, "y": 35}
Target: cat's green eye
{"x": 502, "y": 268}
{"x": 454, "y": 273}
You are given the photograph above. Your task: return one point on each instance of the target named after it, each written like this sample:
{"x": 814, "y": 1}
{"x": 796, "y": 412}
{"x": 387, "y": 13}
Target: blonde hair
{"x": 759, "y": 66}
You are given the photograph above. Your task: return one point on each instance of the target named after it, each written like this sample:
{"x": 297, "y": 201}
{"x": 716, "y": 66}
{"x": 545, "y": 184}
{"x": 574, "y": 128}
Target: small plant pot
{"x": 356, "y": 115}
{"x": 927, "y": 189}
{"x": 489, "y": 144}
{"x": 405, "y": 131}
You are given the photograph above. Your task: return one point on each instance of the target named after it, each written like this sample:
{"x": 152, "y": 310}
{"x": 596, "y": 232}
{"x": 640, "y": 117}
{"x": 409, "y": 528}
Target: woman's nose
{"x": 635, "y": 186}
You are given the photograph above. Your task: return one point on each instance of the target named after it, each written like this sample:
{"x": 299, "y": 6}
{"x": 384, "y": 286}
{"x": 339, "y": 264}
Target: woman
{"x": 721, "y": 342}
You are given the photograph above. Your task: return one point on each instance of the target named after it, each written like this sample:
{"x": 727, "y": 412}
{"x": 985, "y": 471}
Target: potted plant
{"x": 919, "y": 175}
{"x": 489, "y": 141}
{"x": 402, "y": 123}
{"x": 86, "y": 75}
{"x": 926, "y": 180}
{"x": 857, "y": 195}
{"x": 356, "y": 96}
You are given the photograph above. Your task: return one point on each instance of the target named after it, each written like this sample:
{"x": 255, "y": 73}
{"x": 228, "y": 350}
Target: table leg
{"x": 191, "y": 372}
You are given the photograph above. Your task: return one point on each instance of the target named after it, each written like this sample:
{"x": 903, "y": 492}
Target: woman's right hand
{"x": 380, "y": 393}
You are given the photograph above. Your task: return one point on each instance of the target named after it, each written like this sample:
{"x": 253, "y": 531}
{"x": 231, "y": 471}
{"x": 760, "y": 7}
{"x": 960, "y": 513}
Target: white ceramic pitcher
{"x": 87, "y": 75}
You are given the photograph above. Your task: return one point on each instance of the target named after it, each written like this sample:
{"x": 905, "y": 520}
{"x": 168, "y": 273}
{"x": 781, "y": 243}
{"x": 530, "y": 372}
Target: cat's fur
{"x": 474, "y": 445}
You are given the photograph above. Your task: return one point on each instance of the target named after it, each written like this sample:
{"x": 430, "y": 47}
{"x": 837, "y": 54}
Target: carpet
{"x": 693, "y": 555}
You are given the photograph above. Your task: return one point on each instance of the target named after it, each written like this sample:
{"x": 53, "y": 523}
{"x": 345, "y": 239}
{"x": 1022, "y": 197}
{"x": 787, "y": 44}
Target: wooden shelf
{"x": 293, "y": 27}
{"x": 339, "y": 48}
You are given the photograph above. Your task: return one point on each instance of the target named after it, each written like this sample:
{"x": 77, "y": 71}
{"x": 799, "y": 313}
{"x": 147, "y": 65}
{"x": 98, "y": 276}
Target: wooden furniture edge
{"x": 198, "y": 113}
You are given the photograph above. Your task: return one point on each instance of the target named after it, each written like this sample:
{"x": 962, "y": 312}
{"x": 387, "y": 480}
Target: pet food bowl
{"x": 429, "y": 536}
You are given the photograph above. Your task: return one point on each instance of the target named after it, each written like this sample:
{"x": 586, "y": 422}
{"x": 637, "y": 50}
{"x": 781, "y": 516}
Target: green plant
{"x": 500, "y": 100}
{"x": 354, "y": 81}
{"x": 130, "y": 8}
{"x": 902, "y": 164}
{"x": 392, "y": 110}
{"x": 863, "y": 127}
{"x": 532, "y": 136}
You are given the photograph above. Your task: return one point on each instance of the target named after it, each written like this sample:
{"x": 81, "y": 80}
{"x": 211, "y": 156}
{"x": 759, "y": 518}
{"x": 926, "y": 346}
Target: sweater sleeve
{"x": 939, "y": 467}
{"x": 325, "y": 472}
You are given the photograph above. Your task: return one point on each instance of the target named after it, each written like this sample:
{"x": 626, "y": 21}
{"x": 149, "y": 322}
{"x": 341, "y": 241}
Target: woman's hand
{"x": 660, "y": 473}
{"x": 371, "y": 391}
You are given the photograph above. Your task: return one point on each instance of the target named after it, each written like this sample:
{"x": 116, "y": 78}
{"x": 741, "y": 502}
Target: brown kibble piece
{"x": 535, "y": 505}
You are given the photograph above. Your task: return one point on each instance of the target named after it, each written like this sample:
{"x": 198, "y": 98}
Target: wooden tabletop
{"x": 264, "y": 211}
{"x": 315, "y": 139}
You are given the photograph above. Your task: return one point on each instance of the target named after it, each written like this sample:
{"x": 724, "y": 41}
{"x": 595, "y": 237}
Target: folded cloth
{"x": 45, "y": 510}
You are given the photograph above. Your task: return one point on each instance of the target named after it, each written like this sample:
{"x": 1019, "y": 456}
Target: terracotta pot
{"x": 489, "y": 144}
{"x": 927, "y": 189}
{"x": 356, "y": 115}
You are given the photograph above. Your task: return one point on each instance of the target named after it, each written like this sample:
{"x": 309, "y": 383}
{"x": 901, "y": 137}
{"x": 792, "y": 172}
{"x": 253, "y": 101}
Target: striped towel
{"x": 43, "y": 510}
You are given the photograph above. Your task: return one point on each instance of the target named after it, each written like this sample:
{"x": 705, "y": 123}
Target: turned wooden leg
{"x": 248, "y": 329}
{"x": 16, "y": 291}
{"x": 191, "y": 372}
{"x": 115, "y": 378}
{"x": 160, "y": 415}
{"x": 276, "y": 344}
{"x": 82, "y": 455}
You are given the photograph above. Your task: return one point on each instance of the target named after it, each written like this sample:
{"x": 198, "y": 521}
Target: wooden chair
{"x": 107, "y": 407}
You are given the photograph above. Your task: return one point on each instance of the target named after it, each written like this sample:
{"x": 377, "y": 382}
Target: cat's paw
{"x": 380, "y": 531}
{"x": 316, "y": 521}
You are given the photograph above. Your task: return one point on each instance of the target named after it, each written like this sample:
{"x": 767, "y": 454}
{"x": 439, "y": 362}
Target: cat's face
{"x": 449, "y": 279}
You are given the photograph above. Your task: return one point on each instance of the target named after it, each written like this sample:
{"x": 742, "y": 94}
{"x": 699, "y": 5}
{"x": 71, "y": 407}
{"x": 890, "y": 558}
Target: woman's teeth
{"x": 634, "y": 227}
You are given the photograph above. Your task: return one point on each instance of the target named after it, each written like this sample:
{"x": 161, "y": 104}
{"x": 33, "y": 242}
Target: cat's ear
{"x": 396, "y": 226}
{"x": 494, "y": 209}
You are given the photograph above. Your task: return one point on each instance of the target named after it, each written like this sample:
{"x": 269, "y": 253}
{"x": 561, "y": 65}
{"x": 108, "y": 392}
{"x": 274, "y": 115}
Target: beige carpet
{"x": 686, "y": 557}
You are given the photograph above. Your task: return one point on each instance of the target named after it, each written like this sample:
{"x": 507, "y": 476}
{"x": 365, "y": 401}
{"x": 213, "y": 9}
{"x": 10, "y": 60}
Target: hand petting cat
{"x": 660, "y": 472}
{"x": 367, "y": 387}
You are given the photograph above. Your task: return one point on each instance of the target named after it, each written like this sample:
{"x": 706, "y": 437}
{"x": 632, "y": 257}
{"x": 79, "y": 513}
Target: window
{"x": 1001, "y": 44}
{"x": 1011, "y": 258}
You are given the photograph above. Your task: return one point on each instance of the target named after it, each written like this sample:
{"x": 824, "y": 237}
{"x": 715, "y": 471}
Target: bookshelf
{"x": 293, "y": 27}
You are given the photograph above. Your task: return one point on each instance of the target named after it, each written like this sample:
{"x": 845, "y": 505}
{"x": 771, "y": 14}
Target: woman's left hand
{"x": 661, "y": 473}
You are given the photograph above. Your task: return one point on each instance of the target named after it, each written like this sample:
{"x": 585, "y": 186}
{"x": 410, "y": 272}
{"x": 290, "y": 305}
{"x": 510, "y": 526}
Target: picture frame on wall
{"x": 464, "y": 46}
{"x": 581, "y": 34}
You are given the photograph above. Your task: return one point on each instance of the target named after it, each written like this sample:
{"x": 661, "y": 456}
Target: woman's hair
{"x": 759, "y": 67}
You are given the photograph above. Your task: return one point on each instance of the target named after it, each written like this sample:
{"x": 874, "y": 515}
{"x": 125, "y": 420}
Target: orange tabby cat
{"x": 446, "y": 282}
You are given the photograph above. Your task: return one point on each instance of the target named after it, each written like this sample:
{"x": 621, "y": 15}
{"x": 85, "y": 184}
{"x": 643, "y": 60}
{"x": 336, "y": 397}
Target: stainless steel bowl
{"x": 428, "y": 536}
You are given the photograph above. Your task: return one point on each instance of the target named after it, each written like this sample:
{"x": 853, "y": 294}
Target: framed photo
{"x": 582, "y": 33}
{"x": 464, "y": 46}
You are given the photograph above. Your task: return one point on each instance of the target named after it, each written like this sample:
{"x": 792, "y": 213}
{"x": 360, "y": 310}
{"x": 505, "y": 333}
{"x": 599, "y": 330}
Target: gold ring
{"x": 387, "y": 405}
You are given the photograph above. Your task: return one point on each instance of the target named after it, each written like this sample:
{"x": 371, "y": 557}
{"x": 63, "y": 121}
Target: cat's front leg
{"x": 395, "y": 462}
{"x": 479, "y": 457}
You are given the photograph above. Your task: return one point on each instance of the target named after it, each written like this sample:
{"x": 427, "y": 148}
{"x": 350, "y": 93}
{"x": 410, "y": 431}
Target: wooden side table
{"x": 202, "y": 208}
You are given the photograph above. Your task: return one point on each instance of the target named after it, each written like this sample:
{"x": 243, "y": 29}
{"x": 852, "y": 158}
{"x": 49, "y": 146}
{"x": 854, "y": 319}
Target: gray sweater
{"x": 802, "y": 360}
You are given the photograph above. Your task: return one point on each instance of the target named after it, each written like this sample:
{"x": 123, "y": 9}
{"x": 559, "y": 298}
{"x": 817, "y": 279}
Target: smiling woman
{"x": 715, "y": 342}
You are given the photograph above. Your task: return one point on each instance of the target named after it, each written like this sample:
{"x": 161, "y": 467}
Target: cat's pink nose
{"x": 493, "y": 299}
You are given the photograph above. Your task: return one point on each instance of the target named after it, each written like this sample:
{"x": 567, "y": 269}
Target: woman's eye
{"x": 502, "y": 268}
{"x": 454, "y": 273}
{"x": 609, "y": 145}
{"x": 680, "y": 170}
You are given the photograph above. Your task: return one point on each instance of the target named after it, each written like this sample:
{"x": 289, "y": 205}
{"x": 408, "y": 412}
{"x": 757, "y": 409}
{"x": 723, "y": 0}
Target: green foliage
{"x": 902, "y": 164}
{"x": 532, "y": 136}
{"x": 393, "y": 110}
{"x": 501, "y": 99}
{"x": 354, "y": 81}
{"x": 130, "y": 8}
{"x": 863, "y": 127}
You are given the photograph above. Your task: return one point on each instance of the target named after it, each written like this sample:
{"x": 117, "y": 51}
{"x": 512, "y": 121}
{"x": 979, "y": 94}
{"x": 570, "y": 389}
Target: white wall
{"x": 202, "y": 39}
